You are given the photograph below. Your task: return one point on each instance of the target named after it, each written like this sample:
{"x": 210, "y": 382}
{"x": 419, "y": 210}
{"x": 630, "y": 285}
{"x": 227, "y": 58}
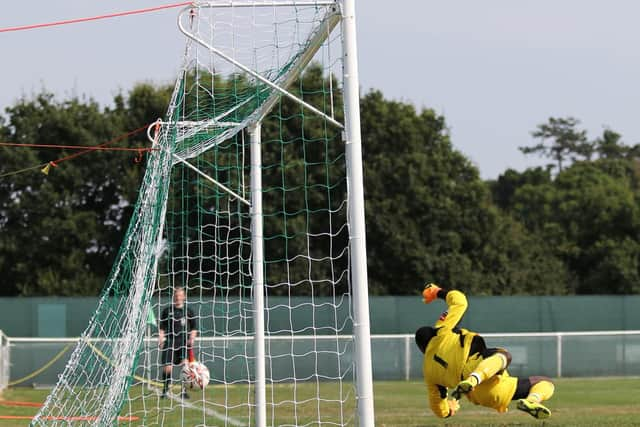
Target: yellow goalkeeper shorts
{"x": 496, "y": 392}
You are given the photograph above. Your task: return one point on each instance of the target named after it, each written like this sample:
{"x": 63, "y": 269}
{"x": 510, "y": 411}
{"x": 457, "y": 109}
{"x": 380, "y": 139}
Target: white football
{"x": 195, "y": 374}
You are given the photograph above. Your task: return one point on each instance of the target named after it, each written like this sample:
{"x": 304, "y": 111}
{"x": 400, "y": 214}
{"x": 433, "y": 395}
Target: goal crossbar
{"x": 313, "y": 44}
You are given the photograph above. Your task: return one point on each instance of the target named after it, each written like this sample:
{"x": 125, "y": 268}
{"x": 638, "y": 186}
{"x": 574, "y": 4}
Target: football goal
{"x": 247, "y": 239}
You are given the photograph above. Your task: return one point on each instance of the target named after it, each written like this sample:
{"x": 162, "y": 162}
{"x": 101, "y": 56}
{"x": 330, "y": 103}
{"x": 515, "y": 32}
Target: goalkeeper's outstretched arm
{"x": 456, "y": 302}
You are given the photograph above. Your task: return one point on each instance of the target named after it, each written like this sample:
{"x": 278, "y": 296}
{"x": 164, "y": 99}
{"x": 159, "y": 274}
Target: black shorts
{"x": 174, "y": 354}
{"x": 522, "y": 389}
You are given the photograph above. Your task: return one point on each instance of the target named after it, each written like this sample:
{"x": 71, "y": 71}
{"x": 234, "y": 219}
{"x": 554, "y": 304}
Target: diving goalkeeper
{"x": 459, "y": 359}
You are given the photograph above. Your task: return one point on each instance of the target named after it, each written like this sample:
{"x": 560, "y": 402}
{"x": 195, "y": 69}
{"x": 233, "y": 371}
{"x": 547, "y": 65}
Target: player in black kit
{"x": 177, "y": 333}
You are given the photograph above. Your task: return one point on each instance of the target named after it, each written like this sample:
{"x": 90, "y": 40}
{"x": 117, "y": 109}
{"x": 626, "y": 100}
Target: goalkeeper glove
{"x": 454, "y": 406}
{"x": 430, "y": 293}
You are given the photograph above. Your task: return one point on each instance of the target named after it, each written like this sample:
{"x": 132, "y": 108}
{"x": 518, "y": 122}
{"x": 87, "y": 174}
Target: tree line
{"x": 572, "y": 227}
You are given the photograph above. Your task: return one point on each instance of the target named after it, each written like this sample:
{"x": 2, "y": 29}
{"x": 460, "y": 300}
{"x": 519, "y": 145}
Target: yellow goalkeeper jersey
{"x": 446, "y": 353}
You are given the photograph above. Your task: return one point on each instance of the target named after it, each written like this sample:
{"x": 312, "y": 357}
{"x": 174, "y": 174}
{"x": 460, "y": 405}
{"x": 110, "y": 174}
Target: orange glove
{"x": 430, "y": 293}
{"x": 454, "y": 406}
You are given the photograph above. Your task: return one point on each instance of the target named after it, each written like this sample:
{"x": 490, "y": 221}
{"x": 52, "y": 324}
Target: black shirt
{"x": 176, "y": 323}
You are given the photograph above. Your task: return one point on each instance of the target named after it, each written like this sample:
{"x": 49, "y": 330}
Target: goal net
{"x": 246, "y": 205}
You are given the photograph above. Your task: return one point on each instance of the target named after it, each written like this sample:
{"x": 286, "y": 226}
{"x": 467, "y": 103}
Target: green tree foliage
{"x": 588, "y": 217}
{"x": 610, "y": 146}
{"x": 560, "y": 140}
{"x": 414, "y": 184}
{"x": 61, "y": 231}
{"x": 504, "y": 188}
{"x": 518, "y": 261}
{"x": 429, "y": 215}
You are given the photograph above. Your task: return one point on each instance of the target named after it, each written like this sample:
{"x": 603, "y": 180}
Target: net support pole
{"x": 257, "y": 253}
{"x": 358, "y": 248}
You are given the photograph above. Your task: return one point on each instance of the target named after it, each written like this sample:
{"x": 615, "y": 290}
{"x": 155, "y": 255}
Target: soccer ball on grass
{"x": 195, "y": 374}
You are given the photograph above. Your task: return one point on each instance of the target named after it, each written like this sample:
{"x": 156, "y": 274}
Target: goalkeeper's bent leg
{"x": 496, "y": 361}
{"x": 541, "y": 389}
{"x": 491, "y": 365}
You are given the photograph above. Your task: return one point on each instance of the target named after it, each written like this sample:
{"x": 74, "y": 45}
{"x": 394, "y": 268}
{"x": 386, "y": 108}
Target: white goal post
{"x": 253, "y": 203}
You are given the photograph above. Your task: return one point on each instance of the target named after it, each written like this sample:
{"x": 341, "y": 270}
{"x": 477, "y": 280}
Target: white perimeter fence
{"x": 38, "y": 361}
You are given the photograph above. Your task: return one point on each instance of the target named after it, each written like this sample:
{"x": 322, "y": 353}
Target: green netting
{"x": 192, "y": 228}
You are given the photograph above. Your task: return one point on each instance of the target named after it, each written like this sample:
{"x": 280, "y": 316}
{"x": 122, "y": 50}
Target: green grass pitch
{"x": 577, "y": 402}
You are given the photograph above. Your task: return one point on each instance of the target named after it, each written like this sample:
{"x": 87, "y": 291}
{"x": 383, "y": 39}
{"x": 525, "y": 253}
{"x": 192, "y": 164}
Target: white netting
{"x": 192, "y": 228}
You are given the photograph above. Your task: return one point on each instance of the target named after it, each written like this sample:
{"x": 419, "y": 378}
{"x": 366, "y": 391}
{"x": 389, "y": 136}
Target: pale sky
{"x": 495, "y": 68}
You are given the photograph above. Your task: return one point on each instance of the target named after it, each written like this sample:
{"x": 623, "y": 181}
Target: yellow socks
{"x": 488, "y": 368}
{"x": 541, "y": 391}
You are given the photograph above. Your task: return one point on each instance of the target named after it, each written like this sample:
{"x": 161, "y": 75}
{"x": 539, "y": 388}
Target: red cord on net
{"x": 94, "y": 18}
{"x": 84, "y": 150}
{"x": 104, "y": 147}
